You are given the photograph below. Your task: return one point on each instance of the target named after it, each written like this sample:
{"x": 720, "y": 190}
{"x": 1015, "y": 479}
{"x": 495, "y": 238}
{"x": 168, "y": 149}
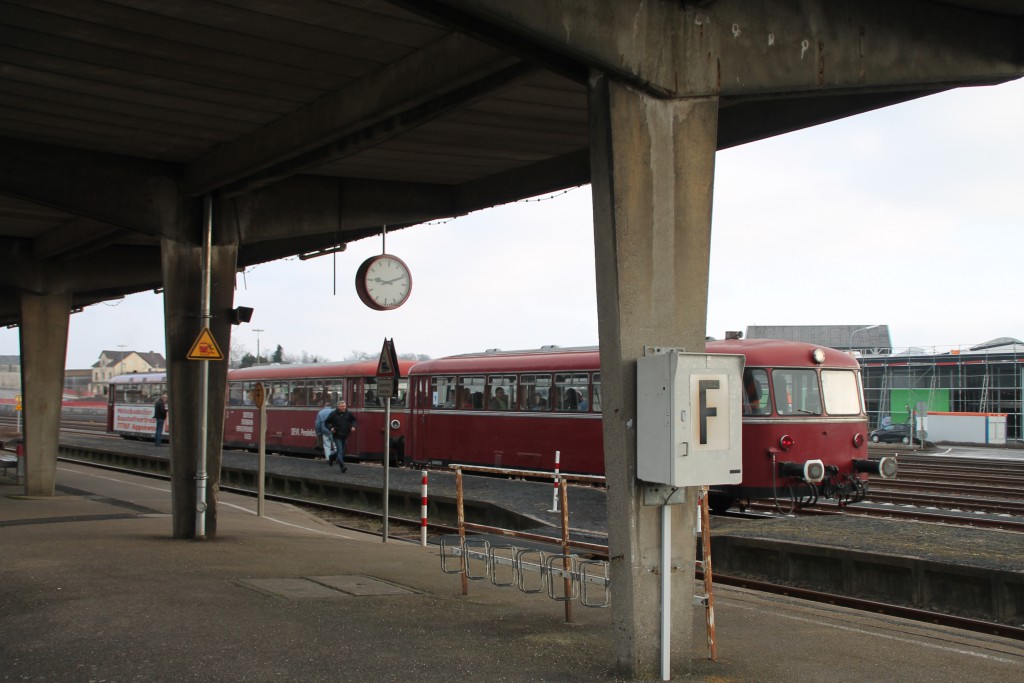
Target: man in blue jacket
{"x": 323, "y": 433}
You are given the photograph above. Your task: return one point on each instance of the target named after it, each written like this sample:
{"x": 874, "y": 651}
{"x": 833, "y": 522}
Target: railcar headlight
{"x": 786, "y": 442}
{"x": 395, "y": 424}
{"x": 858, "y": 440}
{"x": 818, "y": 356}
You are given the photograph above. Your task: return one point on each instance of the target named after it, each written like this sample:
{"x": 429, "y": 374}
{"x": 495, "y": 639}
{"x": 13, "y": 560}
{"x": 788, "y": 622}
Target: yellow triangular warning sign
{"x": 205, "y": 348}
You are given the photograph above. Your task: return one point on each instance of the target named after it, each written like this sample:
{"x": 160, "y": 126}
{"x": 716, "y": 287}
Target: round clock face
{"x": 383, "y": 282}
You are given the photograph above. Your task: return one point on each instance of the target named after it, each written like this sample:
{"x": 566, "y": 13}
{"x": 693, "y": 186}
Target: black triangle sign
{"x": 386, "y": 366}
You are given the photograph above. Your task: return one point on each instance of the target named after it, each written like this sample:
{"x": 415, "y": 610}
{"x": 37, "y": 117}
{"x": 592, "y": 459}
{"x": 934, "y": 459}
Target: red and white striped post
{"x": 423, "y": 512}
{"x": 554, "y": 495}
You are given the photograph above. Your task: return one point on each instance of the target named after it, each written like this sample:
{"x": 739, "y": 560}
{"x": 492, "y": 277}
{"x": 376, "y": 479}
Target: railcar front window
{"x": 842, "y": 394}
{"x": 756, "y": 397}
{"x": 796, "y": 391}
{"x": 596, "y": 407}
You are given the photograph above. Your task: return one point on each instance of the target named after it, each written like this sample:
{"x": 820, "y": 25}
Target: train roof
{"x": 757, "y": 352}
{"x": 781, "y": 353}
{"x": 543, "y": 359}
{"x": 361, "y": 368}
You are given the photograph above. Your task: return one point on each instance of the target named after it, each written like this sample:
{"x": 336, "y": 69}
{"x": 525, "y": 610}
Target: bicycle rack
{"x": 586, "y": 580}
{"x": 448, "y": 552}
{"x": 569, "y": 575}
{"x": 480, "y": 556}
{"x": 522, "y": 567}
{"x": 580, "y": 578}
{"x": 495, "y": 560}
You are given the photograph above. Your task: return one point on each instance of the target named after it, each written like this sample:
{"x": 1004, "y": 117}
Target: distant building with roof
{"x": 10, "y": 372}
{"x": 114, "y": 363}
{"x": 871, "y": 339}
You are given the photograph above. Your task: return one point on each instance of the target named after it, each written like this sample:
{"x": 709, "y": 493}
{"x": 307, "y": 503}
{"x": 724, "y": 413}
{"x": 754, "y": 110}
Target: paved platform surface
{"x": 92, "y": 588}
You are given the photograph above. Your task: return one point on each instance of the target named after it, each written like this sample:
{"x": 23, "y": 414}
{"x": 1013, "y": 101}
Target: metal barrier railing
{"x": 479, "y": 560}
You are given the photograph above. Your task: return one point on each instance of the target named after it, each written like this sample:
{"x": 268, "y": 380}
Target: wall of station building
{"x": 960, "y": 383}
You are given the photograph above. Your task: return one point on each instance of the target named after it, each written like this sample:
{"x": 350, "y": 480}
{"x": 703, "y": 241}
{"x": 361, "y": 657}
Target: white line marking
{"x": 954, "y": 650}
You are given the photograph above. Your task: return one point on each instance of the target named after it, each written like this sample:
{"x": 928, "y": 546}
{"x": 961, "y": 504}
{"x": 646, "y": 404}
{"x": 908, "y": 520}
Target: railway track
{"x": 958, "y": 491}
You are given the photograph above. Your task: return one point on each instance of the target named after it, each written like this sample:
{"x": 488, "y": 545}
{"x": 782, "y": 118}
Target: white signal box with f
{"x": 689, "y": 418}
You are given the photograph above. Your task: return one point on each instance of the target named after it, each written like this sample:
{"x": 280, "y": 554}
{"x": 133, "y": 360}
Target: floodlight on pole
{"x": 860, "y": 329}
{"x": 257, "y": 331}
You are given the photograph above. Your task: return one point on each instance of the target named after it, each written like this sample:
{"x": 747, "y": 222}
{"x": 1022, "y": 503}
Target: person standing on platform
{"x": 341, "y": 422}
{"x": 323, "y": 434}
{"x": 160, "y": 415}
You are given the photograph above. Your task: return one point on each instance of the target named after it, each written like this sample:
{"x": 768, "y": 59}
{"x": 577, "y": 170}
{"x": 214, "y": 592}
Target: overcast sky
{"x": 910, "y": 216}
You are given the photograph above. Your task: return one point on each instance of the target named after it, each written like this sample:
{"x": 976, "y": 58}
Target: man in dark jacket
{"x": 340, "y": 423}
{"x": 160, "y": 415}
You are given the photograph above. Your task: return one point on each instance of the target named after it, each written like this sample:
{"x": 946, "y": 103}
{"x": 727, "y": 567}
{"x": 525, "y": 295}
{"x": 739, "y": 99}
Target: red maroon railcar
{"x": 804, "y": 424}
{"x": 295, "y": 393}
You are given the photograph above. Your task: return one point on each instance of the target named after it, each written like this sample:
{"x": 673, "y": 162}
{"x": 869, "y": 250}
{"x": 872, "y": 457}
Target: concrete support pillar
{"x": 44, "y": 346}
{"x": 182, "y": 275}
{"x": 652, "y": 167}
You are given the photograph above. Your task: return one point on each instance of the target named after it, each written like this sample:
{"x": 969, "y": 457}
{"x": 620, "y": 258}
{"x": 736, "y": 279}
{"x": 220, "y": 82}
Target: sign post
{"x": 259, "y": 398}
{"x": 387, "y": 375}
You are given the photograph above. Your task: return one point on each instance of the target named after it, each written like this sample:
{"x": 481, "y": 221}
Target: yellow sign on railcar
{"x": 205, "y": 347}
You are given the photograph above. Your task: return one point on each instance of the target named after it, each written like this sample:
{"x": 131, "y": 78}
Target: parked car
{"x": 893, "y": 434}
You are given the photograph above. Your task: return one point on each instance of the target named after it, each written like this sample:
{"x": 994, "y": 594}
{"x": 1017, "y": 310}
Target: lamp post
{"x": 860, "y": 329}
{"x": 257, "y": 331}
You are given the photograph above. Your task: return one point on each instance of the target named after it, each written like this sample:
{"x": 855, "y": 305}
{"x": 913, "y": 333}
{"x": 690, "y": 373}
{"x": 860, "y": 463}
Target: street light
{"x": 861, "y": 329}
{"x": 257, "y": 331}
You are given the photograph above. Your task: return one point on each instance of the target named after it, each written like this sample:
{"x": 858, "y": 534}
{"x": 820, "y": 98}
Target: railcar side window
{"x": 756, "y": 398}
{"x": 279, "y": 393}
{"x": 501, "y": 392}
{"x": 796, "y": 391}
{"x": 596, "y": 388}
{"x": 535, "y": 392}
{"x": 443, "y": 392}
{"x": 570, "y": 392}
{"x": 842, "y": 395}
{"x": 316, "y": 392}
{"x": 335, "y": 390}
{"x": 298, "y": 395}
{"x": 370, "y": 397}
{"x": 247, "y": 389}
{"x": 236, "y": 393}
{"x": 471, "y": 396}
{"x": 401, "y": 394}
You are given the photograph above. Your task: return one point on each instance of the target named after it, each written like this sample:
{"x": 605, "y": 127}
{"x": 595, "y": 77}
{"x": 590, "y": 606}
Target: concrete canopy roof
{"x": 373, "y": 112}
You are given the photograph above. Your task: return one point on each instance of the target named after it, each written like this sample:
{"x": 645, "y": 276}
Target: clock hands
{"x": 388, "y": 282}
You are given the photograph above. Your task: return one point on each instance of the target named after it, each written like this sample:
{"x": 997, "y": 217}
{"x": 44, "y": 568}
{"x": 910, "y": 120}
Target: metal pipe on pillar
{"x": 204, "y": 372}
